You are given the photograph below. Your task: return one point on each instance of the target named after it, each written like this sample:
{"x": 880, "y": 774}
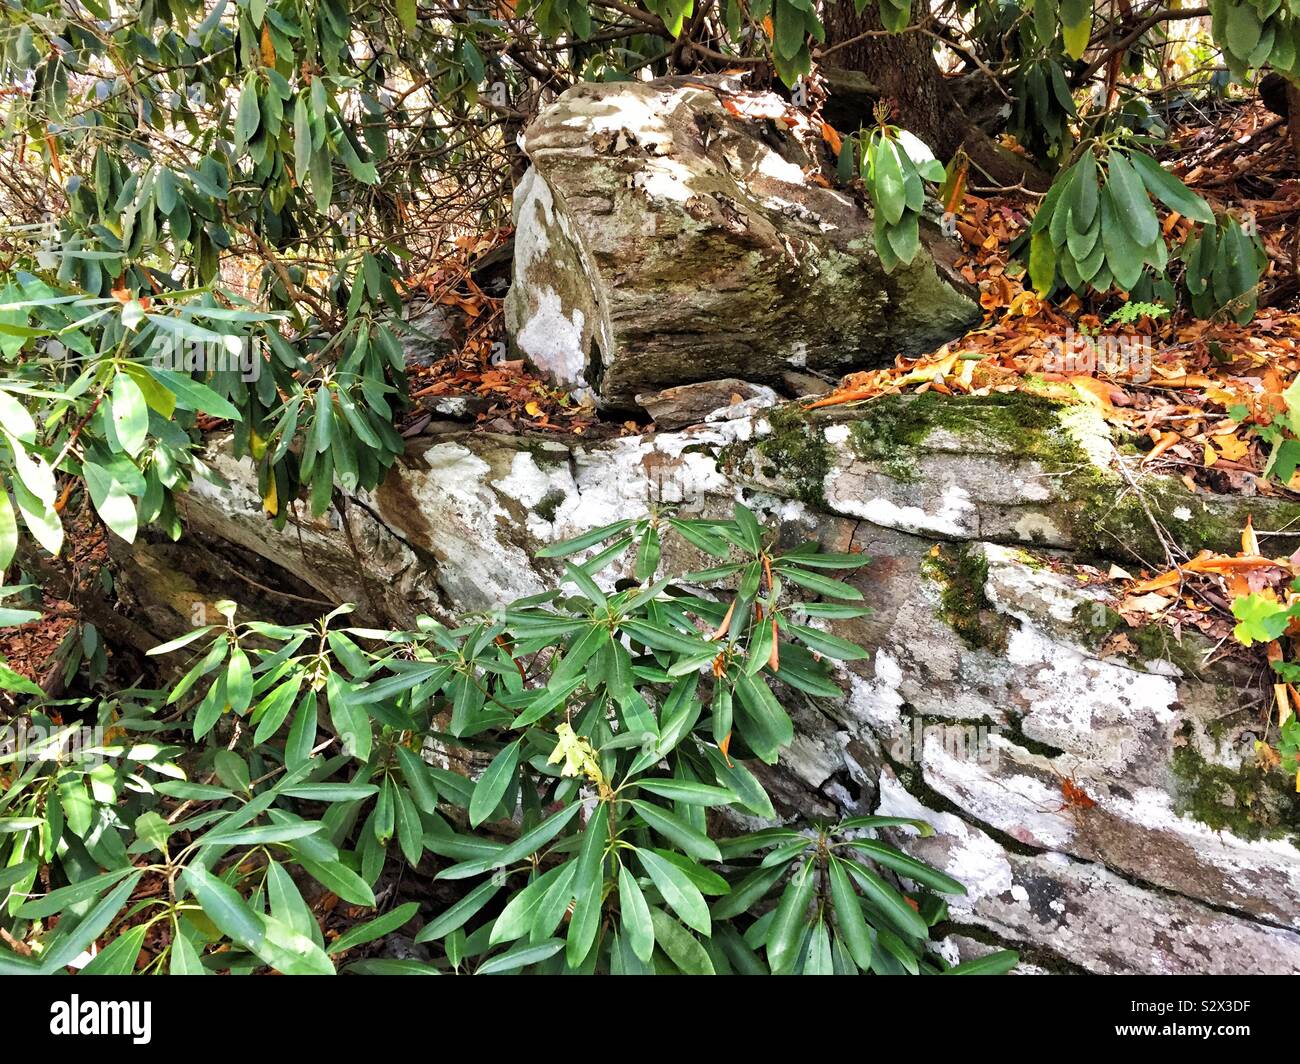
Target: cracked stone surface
{"x": 662, "y": 239}
{"x": 988, "y": 683}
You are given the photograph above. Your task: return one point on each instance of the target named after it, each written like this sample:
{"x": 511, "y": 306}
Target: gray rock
{"x": 691, "y": 404}
{"x": 427, "y": 334}
{"x": 991, "y": 678}
{"x": 798, "y": 384}
{"x": 661, "y": 239}
{"x": 455, "y": 407}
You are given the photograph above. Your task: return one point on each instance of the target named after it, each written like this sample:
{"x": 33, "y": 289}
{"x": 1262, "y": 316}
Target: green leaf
{"x": 678, "y": 891}
{"x": 39, "y": 516}
{"x": 530, "y": 842}
{"x": 764, "y": 723}
{"x": 248, "y": 114}
{"x": 587, "y": 887}
{"x": 1129, "y": 197}
{"x": 16, "y": 419}
{"x": 239, "y": 680}
{"x": 62, "y": 897}
{"x": 680, "y": 946}
{"x": 1169, "y": 190}
{"x": 635, "y": 915}
{"x": 521, "y": 957}
{"x": 350, "y": 721}
{"x": 998, "y": 963}
{"x": 392, "y": 966}
{"x": 818, "y": 961}
{"x": 908, "y": 867}
{"x": 677, "y": 831}
{"x": 261, "y": 835}
{"x": 182, "y": 641}
{"x": 376, "y": 928}
{"x": 119, "y": 956}
{"x": 787, "y": 928}
{"x": 586, "y": 585}
{"x": 191, "y": 395}
{"x": 459, "y": 913}
{"x": 130, "y": 414}
{"x": 1042, "y": 262}
{"x": 888, "y": 900}
{"x": 340, "y": 880}
{"x": 1242, "y": 29}
{"x": 416, "y": 774}
{"x": 287, "y": 904}
{"x": 69, "y": 945}
{"x": 887, "y": 183}
{"x": 1076, "y": 35}
{"x": 111, "y": 500}
{"x": 493, "y": 783}
{"x": 516, "y": 919}
{"x": 8, "y": 531}
{"x": 289, "y": 951}
{"x": 689, "y": 791}
{"x": 820, "y": 584}
{"x": 581, "y": 543}
{"x": 1261, "y": 619}
{"x": 224, "y": 907}
{"x": 826, "y": 644}
{"x": 848, "y": 916}
{"x": 185, "y": 959}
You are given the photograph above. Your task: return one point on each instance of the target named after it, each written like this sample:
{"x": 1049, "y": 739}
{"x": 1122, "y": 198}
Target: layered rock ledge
{"x": 995, "y": 673}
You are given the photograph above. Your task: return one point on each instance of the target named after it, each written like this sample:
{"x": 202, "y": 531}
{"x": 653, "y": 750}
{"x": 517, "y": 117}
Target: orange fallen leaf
{"x": 1166, "y": 440}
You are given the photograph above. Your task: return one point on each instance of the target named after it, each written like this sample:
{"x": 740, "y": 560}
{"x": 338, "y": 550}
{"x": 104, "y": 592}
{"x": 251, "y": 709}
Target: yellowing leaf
{"x": 1230, "y": 446}
{"x": 1076, "y": 36}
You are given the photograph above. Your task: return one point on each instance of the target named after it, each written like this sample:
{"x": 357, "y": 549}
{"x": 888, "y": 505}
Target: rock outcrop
{"x": 996, "y": 674}
{"x": 664, "y": 237}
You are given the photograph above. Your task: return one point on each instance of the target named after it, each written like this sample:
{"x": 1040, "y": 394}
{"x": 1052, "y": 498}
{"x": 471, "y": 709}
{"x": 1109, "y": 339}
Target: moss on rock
{"x": 1253, "y": 802}
{"x": 796, "y": 451}
{"x": 964, "y": 605}
{"x": 892, "y": 428}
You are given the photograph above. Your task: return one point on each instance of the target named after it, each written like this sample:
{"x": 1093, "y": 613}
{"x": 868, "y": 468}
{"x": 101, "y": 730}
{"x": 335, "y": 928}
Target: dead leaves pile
{"x": 1189, "y": 393}
{"x": 515, "y": 397}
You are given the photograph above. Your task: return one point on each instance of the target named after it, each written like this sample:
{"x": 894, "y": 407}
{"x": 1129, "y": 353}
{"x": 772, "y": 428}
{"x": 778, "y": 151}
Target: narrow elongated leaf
{"x": 635, "y": 914}
{"x": 224, "y": 907}
{"x": 678, "y": 891}
{"x": 676, "y": 830}
{"x": 680, "y": 946}
{"x": 376, "y": 928}
{"x": 459, "y": 913}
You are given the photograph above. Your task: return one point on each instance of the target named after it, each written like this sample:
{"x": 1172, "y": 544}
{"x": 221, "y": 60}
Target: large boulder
{"x": 664, "y": 237}
{"x": 999, "y": 669}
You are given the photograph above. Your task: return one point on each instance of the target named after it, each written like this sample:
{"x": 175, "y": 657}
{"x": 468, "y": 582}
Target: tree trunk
{"x": 900, "y": 67}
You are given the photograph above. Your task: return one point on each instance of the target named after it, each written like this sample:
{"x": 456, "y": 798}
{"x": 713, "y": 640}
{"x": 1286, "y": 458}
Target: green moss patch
{"x": 964, "y": 605}
{"x": 795, "y": 451}
{"x": 1253, "y": 802}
